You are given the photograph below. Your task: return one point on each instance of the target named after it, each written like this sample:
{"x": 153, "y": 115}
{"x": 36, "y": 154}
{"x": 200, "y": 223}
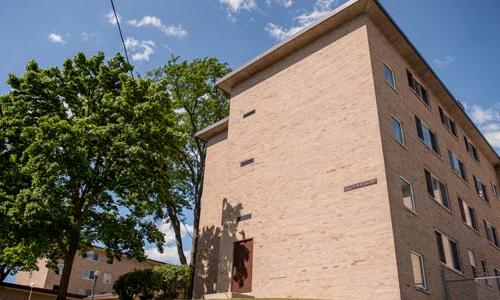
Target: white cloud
{"x": 170, "y": 254}
{"x": 235, "y": 6}
{"x": 285, "y": 3}
{"x": 110, "y": 17}
{"x": 321, "y": 8}
{"x": 56, "y": 38}
{"x": 444, "y": 62}
{"x": 488, "y": 121}
{"x": 140, "y": 50}
{"x": 169, "y": 30}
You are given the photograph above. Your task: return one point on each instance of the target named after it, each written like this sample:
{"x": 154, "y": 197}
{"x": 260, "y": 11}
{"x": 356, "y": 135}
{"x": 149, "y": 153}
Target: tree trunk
{"x": 196, "y": 225}
{"x": 66, "y": 273}
{"x": 175, "y": 223}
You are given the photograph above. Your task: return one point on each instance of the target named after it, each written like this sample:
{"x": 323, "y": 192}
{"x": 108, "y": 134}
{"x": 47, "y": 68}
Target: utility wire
{"x": 121, "y": 36}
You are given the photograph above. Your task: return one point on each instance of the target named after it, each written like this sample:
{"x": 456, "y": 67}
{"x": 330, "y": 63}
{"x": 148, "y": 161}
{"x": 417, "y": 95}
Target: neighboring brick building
{"x": 82, "y": 274}
{"x": 347, "y": 170}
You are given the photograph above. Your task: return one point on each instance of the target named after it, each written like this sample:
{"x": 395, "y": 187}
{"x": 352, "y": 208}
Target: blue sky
{"x": 459, "y": 38}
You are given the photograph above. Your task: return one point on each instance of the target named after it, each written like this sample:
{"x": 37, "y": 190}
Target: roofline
{"x": 226, "y": 85}
{"x": 206, "y": 133}
{"x": 450, "y": 94}
{"x": 221, "y": 82}
{"x": 153, "y": 260}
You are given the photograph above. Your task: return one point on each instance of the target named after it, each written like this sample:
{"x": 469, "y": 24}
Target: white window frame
{"x": 106, "y": 278}
{"x": 430, "y": 132}
{"x": 455, "y": 163}
{"x": 402, "y": 142}
{"x": 422, "y": 286}
{"x": 393, "y": 85}
{"x": 413, "y": 209}
{"x": 91, "y": 254}
{"x": 91, "y": 274}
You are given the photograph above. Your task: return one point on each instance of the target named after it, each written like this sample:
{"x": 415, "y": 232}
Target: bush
{"x": 161, "y": 282}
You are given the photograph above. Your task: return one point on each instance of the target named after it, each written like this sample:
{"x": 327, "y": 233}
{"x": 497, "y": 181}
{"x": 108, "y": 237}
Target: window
{"x": 417, "y": 263}
{"x": 448, "y": 122}
{"x": 92, "y": 256}
{"x": 106, "y": 278}
{"x": 418, "y": 89}
{"x": 407, "y": 194}
{"x": 497, "y": 274}
{"x": 448, "y": 251}
{"x": 397, "y": 130}
{"x": 468, "y": 214}
{"x": 457, "y": 165}
{"x": 484, "y": 265}
{"x": 480, "y": 189}
{"x": 473, "y": 266}
{"x": 471, "y": 149}
{"x": 88, "y": 274}
{"x": 426, "y": 135}
{"x": 491, "y": 233}
{"x": 495, "y": 189}
{"x": 437, "y": 190}
{"x": 389, "y": 76}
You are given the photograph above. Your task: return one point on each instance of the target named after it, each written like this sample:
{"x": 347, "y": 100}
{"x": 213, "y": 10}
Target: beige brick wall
{"x": 416, "y": 232}
{"x": 315, "y": 130}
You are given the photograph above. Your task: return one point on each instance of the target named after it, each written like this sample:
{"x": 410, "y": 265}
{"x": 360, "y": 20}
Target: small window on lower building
{"x": 106, "y": 278}
{"x": 495, "y": 189}
{"x": 497, "y": 274}
{"x": 448, "y": 251}
{"x": 480, "y": 189}
{"x": 472, "y": 262}
{"x": 437, "y": 190}
{"x": 407, "y": 194}
{"x": 389, "y": 76}
{"x": 417, "y": 263}
{"x": 484, "y": 265}
{"x": 397, "y": 130}
{"x": 491, "y": 233}
{"x": 468, "y": 214}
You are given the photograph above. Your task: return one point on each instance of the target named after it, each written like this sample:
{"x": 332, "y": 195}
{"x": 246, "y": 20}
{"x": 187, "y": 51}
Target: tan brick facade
{"x": 321, "y": 123}
{"x": 47, "y": 279}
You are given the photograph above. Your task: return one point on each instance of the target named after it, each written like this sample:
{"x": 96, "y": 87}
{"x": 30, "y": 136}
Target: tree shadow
{"x": 214, "y": 258}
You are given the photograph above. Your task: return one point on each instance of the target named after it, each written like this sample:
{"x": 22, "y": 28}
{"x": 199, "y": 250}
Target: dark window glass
{"x": 462, "y": 210}
{"x": 473, "y": 218}
{"x": 428, "y": 180}
{"x": 439, "y": 241}
{"x": 455, "y": 255}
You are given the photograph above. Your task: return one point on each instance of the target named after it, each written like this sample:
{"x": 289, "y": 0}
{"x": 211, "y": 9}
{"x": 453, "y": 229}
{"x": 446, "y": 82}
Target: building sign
{"x": 359, "y": 185}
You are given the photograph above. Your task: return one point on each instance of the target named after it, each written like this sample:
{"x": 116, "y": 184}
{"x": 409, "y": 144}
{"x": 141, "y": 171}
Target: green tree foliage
{"x": 197, "y": 103}
{"x": 172, "y": 280}
{"x": 161, "y": 282}
{"x": 74, "y": 135}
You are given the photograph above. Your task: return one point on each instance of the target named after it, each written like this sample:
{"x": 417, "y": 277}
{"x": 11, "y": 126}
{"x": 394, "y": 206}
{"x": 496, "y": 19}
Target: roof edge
{"x": 224, "y": 83}
{"x": 206, "y": 133}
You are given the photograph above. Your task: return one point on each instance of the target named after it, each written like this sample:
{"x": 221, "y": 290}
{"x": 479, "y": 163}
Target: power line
{"x": 121, "y": 36}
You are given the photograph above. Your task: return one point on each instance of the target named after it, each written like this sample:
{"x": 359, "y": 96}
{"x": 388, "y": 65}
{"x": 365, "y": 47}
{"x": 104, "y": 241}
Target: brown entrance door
{"x": 242, "y": 267}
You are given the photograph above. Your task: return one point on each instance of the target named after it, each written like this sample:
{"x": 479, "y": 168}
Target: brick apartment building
{"x": 347, "y": 170}
{"x": 83, "y": 273}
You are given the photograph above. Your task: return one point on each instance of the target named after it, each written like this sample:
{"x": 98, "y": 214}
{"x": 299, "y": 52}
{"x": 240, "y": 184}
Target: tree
{"x": 172, "y": 280}
{"x": 77, "y": 131}
{"x": 197, "y": 104}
